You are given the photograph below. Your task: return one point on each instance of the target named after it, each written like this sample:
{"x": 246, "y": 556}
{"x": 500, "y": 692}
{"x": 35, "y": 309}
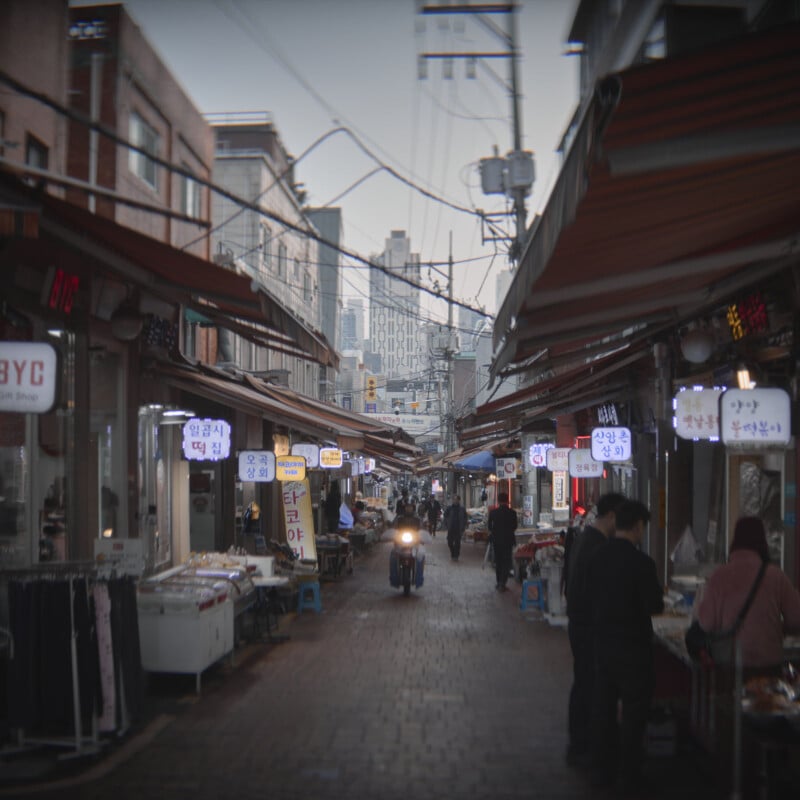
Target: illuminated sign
{"x": 290, "y": 468}
{"x": 755, "y": 417}
{"x": 558, "y": 459}
{"x": 747, "y": 316}
{"x": 560, "y": 490}
{"x": 697, "y": 413}
{"x": 310, "y": 453}
{"x": 611, "y": 444}
{"x": 506, "y": 467}
{"x": 60, "y": 289}
{"x": 206, "y": 439}
{"x": 582, "y": 465}
{"x": 330, "y": 457}
{"x": 257, "y": 466}
{"x": 537, "y": 454}
{"x": 88, "y": 29}
{"x": 28, "y": 376}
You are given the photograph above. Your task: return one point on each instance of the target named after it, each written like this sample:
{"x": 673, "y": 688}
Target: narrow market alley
{"x": 453, "y": 692}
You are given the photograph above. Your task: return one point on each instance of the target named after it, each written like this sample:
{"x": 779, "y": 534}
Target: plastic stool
{"x": 526, "y": 600}
{"x": 313, "y": 601}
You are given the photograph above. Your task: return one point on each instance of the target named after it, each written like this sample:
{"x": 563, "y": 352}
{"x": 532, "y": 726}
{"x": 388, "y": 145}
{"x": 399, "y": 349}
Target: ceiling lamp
{"x": 127, "y": 322}
{"x": 697, "y": 345}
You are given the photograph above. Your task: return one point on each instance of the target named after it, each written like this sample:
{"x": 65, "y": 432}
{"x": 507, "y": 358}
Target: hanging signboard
{"x": 310, "y": 453}
{"x": 506, "y": 467}
{"x": 560, "y": 490}
{"x": 611, "y": 444}
{"x": 206, "y": 439}
{"x": 527, "y": 511}
{"x": 755, "y": 417}
{"x": 299, "y": 519}
{"x": 330, "y": 457}
{"x": 257, "y": 466}
{"x": 558, "y": 459}
{"x": 537, "y": 454}
{"x": 369, "y": 465}
{"x": 28, "y": 376}
{"x": 290, "y": 468}
{"x": 582, "y": 465}
{"x": 697, "y": 413}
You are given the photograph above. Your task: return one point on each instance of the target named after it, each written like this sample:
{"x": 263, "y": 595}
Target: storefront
{"x": 651, "y": 233}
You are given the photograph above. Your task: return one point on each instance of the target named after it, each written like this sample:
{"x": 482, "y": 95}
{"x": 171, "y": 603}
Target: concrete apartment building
{"x": 252, "y": 162}
{"x": 394, "y": 310}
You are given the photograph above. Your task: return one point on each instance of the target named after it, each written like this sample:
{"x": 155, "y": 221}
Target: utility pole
{"x": 514, "y": 174}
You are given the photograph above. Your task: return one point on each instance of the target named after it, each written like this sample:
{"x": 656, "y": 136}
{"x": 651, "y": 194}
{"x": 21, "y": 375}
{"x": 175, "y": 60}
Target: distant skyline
{"x": 316, "y": 65}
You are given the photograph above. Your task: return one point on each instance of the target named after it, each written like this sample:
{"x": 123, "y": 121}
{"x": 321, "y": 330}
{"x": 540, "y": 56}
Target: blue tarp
{"x": 484, "y": 460}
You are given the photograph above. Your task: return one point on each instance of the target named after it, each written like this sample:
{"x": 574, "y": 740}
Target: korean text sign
{"x": 558, "y": 459}
{"x": 582, "y": 465}
{"x": 755, "y": 417}
{"x": 257, "y": 466}
{"x": 611, "y": 444}
{"x": 310, "y": 453}
{"x": 299, "y": 518}
{"x": 697, "y": 413}
{"x": 206, "y": 439}
{"x": 290, "y": 468}
{"x": 537, "y": 454}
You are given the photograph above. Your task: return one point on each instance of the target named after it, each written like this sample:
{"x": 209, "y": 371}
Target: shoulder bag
{"x": 719, "y": 646}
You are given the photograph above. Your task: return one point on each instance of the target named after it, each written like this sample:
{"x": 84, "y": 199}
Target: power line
{"x": 223, "y": 192}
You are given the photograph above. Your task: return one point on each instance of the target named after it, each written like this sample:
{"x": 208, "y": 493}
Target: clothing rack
{"x": 83, "y": 740}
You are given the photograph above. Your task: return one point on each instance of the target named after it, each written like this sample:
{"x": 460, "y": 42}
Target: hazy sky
{"x": 318, "y": 64}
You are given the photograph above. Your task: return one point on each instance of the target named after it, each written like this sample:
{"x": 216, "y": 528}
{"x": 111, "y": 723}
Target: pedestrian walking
{"x": 626, "y": 593}
{"x": 434, "y": 513}
{"x": 455, "y": 520}
{"x": 579, "y": 628}
{"x": 502, "y": 524}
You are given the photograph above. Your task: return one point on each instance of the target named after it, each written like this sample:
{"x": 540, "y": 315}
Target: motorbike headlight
{"x": 406, "y": 537}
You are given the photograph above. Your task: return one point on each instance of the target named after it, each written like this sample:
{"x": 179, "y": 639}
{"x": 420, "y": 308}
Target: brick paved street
{"x": 450, "y": 693}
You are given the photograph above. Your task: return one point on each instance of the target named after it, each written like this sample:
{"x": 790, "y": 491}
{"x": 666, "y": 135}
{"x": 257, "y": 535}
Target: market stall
{"x": 188, "y": 615}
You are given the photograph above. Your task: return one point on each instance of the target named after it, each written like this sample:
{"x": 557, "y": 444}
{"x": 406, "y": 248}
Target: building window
{"x": 307, "y": 293}
{"x": 36, "y": 153}
{"x": 190, "y": 196}
{"x": 281, "y": 260}
{"x": 142, "y": 135}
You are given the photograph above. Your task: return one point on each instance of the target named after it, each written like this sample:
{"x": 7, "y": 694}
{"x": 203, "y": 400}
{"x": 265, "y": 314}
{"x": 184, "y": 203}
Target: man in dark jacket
{"x": 579, "y": 615}
{"x": 455, "y": 520}
{"x": 501, "y": 524}
{"x": 626, "y": 593}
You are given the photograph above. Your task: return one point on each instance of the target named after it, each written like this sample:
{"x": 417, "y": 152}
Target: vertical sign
{"x": 299, "y": 519}
{"x": 527, "y": 511}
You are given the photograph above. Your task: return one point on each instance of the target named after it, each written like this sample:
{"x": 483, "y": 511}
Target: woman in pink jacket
{"x": 775, "y": 610}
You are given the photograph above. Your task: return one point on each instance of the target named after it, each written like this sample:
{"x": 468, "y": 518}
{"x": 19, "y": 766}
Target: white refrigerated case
{"x": 186, "y": 619}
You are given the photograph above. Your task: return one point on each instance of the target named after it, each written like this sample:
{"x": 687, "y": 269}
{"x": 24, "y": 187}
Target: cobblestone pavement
{"x": 451, "y": 693}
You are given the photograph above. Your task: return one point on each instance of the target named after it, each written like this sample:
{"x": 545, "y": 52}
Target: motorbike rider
{"x": 406, "y": 518}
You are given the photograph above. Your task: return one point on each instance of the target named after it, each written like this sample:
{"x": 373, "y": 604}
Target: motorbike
{"x": 407, "y": 559}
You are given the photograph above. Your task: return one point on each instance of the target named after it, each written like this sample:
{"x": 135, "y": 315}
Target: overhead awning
{"x": 681, "y": 188}
{"x": 220, "y": 295}
{"x": 312, "y": 418}
{"x": 562, "y": 391}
